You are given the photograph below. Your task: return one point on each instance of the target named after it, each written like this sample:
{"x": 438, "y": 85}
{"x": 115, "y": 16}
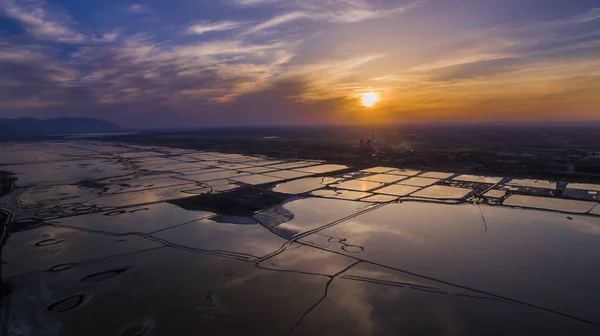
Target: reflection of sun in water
{"x": 369, "y": 99}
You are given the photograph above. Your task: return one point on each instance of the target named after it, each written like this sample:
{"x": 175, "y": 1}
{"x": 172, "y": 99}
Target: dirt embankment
{"x": 6, "y": 182}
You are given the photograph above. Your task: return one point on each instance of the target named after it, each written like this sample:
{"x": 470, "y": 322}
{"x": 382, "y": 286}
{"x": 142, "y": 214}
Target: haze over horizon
{"x": 301, "y": 62}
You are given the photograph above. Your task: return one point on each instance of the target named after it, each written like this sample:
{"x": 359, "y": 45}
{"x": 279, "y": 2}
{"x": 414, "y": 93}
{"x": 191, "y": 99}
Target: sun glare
{"x": 369, "y": 99}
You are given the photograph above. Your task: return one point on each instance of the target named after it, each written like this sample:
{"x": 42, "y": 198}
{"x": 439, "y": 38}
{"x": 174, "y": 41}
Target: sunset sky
{"x": 300, "y": 62}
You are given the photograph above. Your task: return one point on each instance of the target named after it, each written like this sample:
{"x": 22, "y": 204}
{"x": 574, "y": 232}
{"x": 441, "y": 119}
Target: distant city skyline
{"x": 300, "y": 62}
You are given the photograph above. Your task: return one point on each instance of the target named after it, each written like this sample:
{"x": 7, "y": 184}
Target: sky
{"x": 195, "y": 63}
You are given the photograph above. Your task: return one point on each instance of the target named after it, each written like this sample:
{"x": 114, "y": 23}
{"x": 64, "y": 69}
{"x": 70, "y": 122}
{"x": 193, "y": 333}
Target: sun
{"x": 369, "y": 99}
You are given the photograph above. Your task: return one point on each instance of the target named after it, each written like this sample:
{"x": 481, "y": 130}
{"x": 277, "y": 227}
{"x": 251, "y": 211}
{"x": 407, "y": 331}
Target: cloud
{"x": 247, "y": 3}
{"x": 218, "y": 78}
{"x": 450, "y": 61}
{"x": 361, "y": 11}
{"x": 278, "y": 21}
{"x": 228, "y": 48}
{"x": 477, "y": 69}
{"x": 511, "y": 49}
{"x": 32, "y": 77}
{"x": 137, "y": 69}
{"x": 203, "y": 28}
{"x": 40, "y": 23}
{"x": 293, "y": 66}
{"x": 591, "y": 15}
{"x": 138, "y": 8}
{"x": 17, "y": 53}
{"x": 349, "y": 11}
{"x": 107, "y": 37}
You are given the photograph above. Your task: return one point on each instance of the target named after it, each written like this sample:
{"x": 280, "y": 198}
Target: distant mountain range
{"x": 31, "y": 127}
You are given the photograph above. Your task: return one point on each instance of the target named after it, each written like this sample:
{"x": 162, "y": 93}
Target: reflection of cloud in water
{"x": 251, "y": 240}
{"x": 309, "y": 213}
{"x": 580, "y": 223}
{"x": 302, "y": 258}
{"x": 358, "y": 305}
{"x": 143, "y": 197}
{"x": 583, "y": 224}
{"x": 358, "y": 231}
{"x": 565, "y": 205}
